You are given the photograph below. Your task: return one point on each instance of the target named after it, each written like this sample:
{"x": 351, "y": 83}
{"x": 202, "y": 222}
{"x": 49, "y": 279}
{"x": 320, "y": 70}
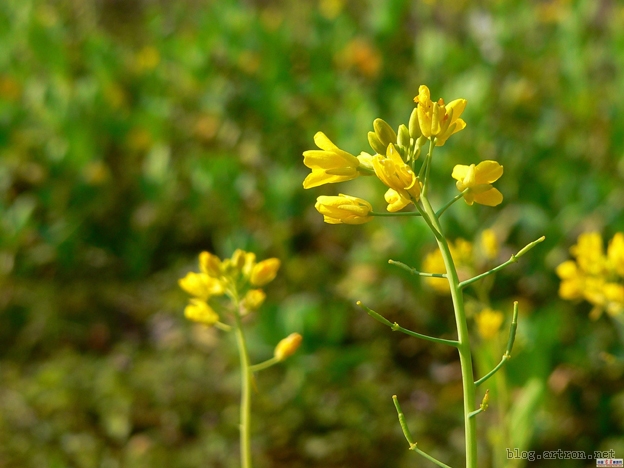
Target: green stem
{"x": 465, "y": 355}
{"x": 398, "y": 213}
{"x": 408, "y": 435}
{"x": 413, "y": 271}
{"x": 396, "y": 327}
{"x": 513, "y": 259}
{"x": 449, "y": 204}
{"x": 245, "y": 407}
{"x": 264, "y": 365}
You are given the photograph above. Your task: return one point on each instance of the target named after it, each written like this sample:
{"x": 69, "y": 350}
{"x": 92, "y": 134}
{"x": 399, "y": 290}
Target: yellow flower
{"x": 200, "y": 311}
{"x": 489, "y": 244}
{"x": 478, "y": 180}
{"x": 330, "y": 164}
{"x": 344, "y": 209}
{"x": 201, "y": 285}
{"x": 397, "y": 175}
{"x": 488, "y": 323}
{"x": 287, "y": 346}
{"x": 264, "y": 272}
{"x": 437, "y": 119}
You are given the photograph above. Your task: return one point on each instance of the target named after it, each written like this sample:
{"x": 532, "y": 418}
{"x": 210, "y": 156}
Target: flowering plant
{"x": 238, "y": 279}
{"x": 394, "y": 163}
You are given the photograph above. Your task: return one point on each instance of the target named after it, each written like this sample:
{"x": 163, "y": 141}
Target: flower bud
{"x": 287, "y": 346}
{"x": 375, "y": 143}
{"x": 210, "y": 264}
{"x": 238, "y": 259}
{"x": 403, "y": 138}
{"x": 264, "y": 272}
{"x": 414, "y": 127}
{"x": 384, "y": 132}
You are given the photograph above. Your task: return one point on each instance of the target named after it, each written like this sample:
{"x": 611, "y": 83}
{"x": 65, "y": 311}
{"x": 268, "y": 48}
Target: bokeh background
{"x": 134, "y": 135}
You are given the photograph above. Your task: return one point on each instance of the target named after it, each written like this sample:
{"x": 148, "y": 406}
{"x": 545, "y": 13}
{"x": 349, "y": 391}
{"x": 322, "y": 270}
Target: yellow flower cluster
{"x": 393, "y": 163}
{"x": 465, "y": 258}
{"x": 594, "y": 276}
{"x": 238, "y": 277}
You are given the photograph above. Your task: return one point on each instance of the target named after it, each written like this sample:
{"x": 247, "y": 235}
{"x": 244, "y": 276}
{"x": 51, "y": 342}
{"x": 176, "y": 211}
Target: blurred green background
{"x": 134, "y": 135}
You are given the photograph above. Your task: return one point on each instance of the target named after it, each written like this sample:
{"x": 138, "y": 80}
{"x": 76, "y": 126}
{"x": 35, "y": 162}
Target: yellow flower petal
{"x": 491, "y": 197}
{"x": 200, "y": 311}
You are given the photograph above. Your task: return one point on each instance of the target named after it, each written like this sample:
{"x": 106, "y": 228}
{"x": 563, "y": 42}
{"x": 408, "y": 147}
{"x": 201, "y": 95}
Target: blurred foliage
{"x": 133, "y": 135}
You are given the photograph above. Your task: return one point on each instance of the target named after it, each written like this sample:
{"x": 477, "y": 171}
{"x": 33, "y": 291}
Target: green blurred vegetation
{"x": 133, "y": 135}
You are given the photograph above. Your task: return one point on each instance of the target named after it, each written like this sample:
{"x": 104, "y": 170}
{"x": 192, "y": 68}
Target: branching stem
{"x": 396, "y": 327}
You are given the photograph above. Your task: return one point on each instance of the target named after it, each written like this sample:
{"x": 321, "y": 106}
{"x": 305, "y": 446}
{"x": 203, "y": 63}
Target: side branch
{"x": 396, "y": 327}
{"x": 510, "y": 343}
{"x": 449, "y": 204}
{"x": 413, "y": 271}
{"x": 513, "y": 259}
{"x": 408, "y": 435}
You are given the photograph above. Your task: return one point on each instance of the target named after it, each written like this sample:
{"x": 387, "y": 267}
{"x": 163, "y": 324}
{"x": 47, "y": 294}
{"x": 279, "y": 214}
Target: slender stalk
{"x": 398, "y": 213}
{"x": 408, "y": 435}
{"x": 245, "y": 406}
{"x": 510, "y": 342}
{"x": 264, "y": 365}
{"x": 512, "y": 259}
{"x": 449, "y": 204}
{"x": 413, "y": 271}
{"x": 465, "y": 356}
{"x": 396, "y": 327}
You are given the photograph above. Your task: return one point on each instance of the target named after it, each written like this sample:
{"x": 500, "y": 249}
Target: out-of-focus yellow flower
{"x": 461, "y": 251}
{"x": 571, "y": 286}
{"x": 488, "y": 323}
{"x": 200, "y": 311}
{"x": 438, "y": 120}
{"x": 589, "y": 253}
{"x": 478, "y": 180}
{"x": 489, "y": 244}
{"x": 344, "y": 209}
{"x": 330, "y": 164}
{"x": 593, "y": 276}
{"x": 287, "y": 346}
{"x": 201, "y": 285}
{"x": 253, "y": 299}
{"x": 397, "y": 175}
{"x": 264, "y": 272}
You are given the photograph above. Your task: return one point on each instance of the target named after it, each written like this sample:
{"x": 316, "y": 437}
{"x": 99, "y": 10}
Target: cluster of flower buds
{"x": 393, "y": 162}
{"x": 238, "y": 277}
